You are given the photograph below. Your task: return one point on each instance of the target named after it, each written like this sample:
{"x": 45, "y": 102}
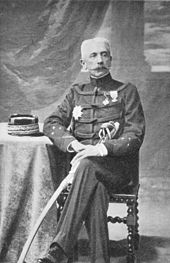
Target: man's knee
{"x": 87, "y": 163}
{"x": 87, "y": 169}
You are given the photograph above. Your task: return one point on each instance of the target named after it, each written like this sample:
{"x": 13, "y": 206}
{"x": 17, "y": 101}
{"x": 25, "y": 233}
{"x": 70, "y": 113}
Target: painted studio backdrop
{"x": 40, "y": 47}
{"x": 39, "y": 60}
{"x": 40, "y": 51}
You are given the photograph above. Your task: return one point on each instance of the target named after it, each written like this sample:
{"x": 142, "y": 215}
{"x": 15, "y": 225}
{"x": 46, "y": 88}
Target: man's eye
{"x": 104, "y": 54}
{"x": 93, "y": 55}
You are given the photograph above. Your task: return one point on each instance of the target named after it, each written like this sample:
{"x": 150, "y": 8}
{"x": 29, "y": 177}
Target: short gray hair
{"x": 85, "y": 44}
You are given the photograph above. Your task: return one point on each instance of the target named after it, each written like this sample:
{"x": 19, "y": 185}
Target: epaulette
{"x": 79, "y": 88}
{"x": 122, "y": 87}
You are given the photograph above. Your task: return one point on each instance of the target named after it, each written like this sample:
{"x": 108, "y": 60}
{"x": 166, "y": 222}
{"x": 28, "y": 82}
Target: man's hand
{"x": 90, "y": 150}
{"x": 77, "y": 146}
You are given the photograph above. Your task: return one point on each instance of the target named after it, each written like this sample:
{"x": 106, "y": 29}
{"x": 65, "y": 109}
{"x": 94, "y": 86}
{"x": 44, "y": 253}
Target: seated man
{"x": 103, "y": 123}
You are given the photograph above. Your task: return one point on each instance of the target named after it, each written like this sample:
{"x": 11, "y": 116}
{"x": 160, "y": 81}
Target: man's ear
{"x": 84, "y": 67}
{"x": 82, "y": 62}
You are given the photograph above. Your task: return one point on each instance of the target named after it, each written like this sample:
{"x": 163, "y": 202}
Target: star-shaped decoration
{"x": 114, "y": 95}
{"x": 77, "y": 112}
{"x": 106, "y": 101}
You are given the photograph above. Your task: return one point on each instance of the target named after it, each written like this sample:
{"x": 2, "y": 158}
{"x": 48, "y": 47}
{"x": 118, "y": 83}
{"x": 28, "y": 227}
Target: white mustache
{"x": 101, "y": 68}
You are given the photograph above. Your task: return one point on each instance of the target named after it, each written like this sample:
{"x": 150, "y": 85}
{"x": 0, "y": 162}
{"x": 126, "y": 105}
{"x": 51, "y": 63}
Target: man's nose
{"x": 99, "y": 59}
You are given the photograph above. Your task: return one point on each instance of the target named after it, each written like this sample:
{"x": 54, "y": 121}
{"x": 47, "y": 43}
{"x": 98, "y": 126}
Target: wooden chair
{"x": 129, "y": 196}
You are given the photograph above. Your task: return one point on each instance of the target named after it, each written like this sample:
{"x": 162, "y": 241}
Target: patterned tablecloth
{"x": 30, "y": 169}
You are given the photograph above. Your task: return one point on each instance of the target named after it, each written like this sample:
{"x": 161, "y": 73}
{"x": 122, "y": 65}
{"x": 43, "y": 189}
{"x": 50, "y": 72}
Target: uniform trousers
{"x": 88, "y": 202}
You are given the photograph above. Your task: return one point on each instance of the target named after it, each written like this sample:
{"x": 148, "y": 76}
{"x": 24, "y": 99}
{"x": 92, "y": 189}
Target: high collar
{"x": 101, "y": 82}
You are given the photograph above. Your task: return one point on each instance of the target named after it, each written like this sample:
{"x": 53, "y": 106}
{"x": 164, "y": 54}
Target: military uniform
{"x": 97, "y": 102}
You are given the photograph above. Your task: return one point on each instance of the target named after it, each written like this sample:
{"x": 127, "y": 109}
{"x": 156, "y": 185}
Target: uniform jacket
{"x": 122, "y": 105}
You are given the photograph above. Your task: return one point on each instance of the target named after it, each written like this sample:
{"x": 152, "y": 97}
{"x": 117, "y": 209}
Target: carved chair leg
{"x": 136, "y": 228}
{"x": 130, "y": 238}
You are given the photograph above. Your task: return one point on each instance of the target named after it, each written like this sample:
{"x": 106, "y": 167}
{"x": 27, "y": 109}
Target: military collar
{"x": 101, "y": 82}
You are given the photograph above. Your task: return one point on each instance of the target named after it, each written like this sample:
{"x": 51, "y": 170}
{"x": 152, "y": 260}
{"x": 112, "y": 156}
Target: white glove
{"x": 90, "y": 150}
{"x": 75, "y": 146}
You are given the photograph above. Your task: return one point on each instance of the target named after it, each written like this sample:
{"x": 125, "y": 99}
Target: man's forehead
{"x": 94, "y": 45}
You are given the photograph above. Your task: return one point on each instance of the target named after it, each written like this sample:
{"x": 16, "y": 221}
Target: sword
{"x": 104, "y": 134}
{"x": 67, "y": 180}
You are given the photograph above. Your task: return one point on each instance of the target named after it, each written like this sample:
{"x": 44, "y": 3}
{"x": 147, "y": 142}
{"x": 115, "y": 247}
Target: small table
{"x": 28, "y": 177}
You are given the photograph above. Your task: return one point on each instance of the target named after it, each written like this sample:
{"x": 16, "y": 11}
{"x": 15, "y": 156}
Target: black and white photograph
{"x": 84, "y": 131}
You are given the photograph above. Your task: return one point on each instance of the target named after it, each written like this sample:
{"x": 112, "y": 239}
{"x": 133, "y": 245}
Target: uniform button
{"x": 128, "y": 145}
{"x": 53, "y": 127}
{"x": 52, "y": 133}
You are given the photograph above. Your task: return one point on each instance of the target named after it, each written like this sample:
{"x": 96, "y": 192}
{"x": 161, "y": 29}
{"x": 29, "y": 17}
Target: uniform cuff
{"x": 70, "y": 148}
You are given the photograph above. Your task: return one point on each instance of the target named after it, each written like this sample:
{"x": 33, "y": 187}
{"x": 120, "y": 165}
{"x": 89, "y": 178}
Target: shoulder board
{"x": 124, "y": 86}
{"x": 78, "y": 87}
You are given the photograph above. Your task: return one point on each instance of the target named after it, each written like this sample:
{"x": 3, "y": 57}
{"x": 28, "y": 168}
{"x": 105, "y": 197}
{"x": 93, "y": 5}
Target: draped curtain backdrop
{"x": 40, "y": 50}
{"x": 39, "y": 59}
